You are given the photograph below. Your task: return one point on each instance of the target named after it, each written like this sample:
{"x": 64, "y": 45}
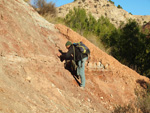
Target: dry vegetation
{"x": 142, "y": 103}
{"x": 44, "y": 8}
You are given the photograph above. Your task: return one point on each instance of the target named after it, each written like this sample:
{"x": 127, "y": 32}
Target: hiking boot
{"x": 83, "y": 88}
{"x": 78, "y": 76}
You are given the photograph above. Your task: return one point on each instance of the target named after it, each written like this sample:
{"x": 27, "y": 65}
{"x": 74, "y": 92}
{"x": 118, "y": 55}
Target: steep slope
{"x": 32, "y": 78}
{"x": 113, "y": 80}
{"x": 104, "y": 8}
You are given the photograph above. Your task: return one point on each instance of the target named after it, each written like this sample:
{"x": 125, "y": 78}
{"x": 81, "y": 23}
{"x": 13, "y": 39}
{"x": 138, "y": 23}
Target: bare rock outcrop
{"x": 32, "y": 78}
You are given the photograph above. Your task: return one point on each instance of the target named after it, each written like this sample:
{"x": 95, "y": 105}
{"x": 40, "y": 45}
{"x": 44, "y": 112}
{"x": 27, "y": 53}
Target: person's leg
{"x": 78, "y": 68}
{"x": 81, "y": 71}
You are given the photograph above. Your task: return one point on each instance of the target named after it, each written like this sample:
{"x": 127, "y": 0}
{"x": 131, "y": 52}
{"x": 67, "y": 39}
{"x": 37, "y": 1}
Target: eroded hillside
{"x": 32, "y": 78}
{"x": 104, "y": 8}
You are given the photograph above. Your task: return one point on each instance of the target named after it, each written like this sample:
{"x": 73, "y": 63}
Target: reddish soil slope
{"x": 32, "y": 78}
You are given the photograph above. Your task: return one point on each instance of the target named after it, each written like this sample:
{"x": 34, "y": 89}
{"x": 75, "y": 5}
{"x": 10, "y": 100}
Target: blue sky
{"x": 136, "y": 7}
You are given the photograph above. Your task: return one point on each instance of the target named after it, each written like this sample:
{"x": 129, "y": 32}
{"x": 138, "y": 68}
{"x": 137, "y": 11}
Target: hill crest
{"x": 104, "y": 8}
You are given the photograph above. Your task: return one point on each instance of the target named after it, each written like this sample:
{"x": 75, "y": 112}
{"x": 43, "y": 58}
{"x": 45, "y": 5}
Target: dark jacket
{"x": 69, "y": 55}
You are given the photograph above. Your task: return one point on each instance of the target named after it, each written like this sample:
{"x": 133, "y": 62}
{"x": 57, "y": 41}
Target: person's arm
{"x": 67, "y": 55}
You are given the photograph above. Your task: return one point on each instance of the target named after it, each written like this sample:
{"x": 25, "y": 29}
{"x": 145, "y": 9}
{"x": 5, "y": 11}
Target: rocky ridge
{"x": 104, "y": 8}
{"x": 32, "y": 78}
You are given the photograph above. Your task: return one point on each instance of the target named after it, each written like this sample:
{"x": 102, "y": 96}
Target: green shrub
{"x": 104, "y": 28}
{"x": 130, "y": 46}
{"x": 111, "y": 2}
{"x": 78, "y": 20}
{"x": 119, "y": 7}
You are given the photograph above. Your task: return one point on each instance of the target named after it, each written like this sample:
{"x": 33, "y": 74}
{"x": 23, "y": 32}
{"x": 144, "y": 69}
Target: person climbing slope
{"x": 79, "y": 53}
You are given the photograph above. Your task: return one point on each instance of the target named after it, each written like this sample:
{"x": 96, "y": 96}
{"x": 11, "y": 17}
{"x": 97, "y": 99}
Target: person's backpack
{"x": 82, "y": 47}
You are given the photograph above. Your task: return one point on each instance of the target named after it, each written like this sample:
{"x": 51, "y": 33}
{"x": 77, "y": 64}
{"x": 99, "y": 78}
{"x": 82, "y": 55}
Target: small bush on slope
{"x": 44, "y": 8}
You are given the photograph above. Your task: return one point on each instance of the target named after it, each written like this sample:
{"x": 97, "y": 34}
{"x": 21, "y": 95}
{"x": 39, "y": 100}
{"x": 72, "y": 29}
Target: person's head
{"x": 68, "y": 44}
